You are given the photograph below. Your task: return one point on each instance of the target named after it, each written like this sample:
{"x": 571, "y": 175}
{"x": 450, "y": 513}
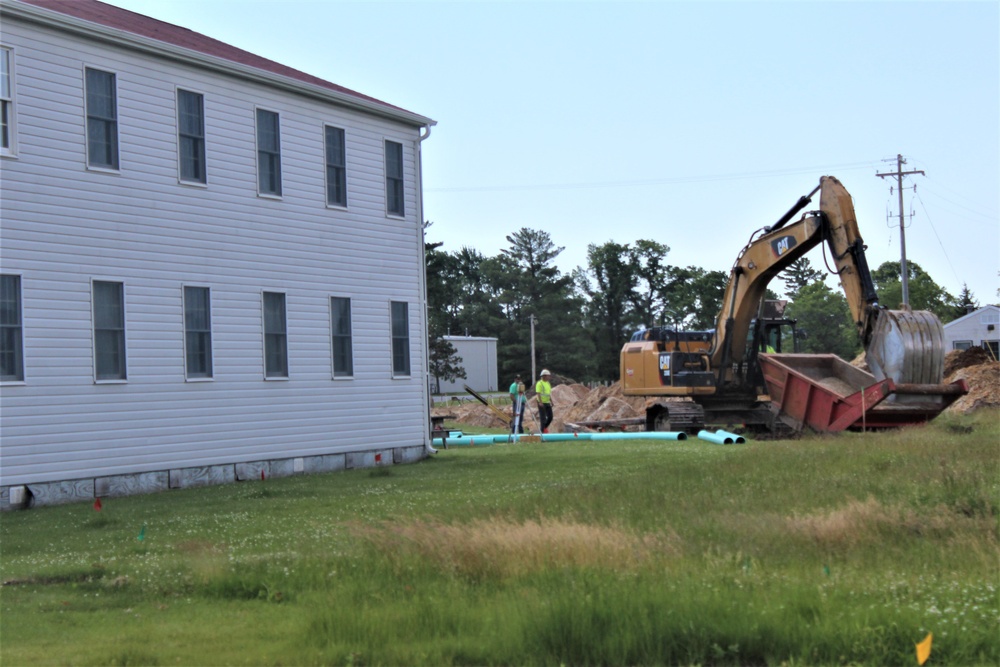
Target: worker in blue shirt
{"x": 518, "y": 401}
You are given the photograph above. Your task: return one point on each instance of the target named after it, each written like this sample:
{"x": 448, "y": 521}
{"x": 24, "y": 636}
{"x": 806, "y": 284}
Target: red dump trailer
{"x": 827, "y": 394}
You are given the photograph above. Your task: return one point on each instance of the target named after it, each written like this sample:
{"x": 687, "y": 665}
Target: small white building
{"x": 978, "y": 328}
{"x": 479, "y": 359}
{"x": 211, "y": 265}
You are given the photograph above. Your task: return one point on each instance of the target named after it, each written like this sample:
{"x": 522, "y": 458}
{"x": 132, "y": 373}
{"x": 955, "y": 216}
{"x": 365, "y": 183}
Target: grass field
{"x": 818, "y": 551}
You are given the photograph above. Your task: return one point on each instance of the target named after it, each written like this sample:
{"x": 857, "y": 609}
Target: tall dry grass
{"x": 498, "y": 548}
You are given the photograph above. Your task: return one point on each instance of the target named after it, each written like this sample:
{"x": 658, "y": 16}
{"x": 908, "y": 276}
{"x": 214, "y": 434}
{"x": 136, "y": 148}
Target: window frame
{"x": 334, "y": 335}
{"x": 209, "y": 374}
{"x": 395, "y": 185}
{"x": 8, "y": 106}
{"x": 277, "y": 194}
{"x": 112, "y": 122}
{"x": 396, "y": 339}
{"x": 961, "y": 344}
{"x": 342, "y": 167}
{"x": 268, "y": 375}
{"x": 200, "y": 141}
{"x": 18, "y": 377}
{"x": 122, "y": 353}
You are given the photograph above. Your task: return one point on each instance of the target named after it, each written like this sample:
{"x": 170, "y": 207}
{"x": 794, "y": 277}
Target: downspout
{"x": 428, "y": 448}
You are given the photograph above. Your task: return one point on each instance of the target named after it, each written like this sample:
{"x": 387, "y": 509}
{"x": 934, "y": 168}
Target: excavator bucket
{"x": 907, "y": 347}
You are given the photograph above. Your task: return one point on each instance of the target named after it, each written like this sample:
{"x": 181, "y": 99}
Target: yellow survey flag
{"x": 924, "y": 649}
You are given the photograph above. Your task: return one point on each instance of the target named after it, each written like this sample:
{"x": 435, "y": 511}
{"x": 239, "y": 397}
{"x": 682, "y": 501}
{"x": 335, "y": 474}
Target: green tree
{"x": 692, "y": 297}
{"x": 445, "y": 364}
{"x": 538, "y": 288}
{"x": 925, "y": 294}
{"x": 964, "y": 304}
{"x": 799, "y": 274}
{"x": 444, "y": 297}
{"x": 824, "y": 321}
{"x": 647, "y": 261}
{"x": 607, "y": 307}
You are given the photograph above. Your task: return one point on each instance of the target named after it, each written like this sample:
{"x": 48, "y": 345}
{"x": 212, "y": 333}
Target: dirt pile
{"x": 959, "y": 359}
{"x": 984, "y": 387}
{"x": 570, "y": 403}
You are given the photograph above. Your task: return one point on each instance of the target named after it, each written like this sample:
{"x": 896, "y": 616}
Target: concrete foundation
{"x": 24, "y": 496}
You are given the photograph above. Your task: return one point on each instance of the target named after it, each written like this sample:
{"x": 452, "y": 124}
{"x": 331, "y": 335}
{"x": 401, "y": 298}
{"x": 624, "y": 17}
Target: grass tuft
{"x": 498, "y": 548}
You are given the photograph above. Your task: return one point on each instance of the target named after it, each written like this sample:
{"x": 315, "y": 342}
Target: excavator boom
{"x": 904, "y": 348}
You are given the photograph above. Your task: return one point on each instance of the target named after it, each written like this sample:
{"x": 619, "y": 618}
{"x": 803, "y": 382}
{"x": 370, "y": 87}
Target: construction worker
{"x": 544, "y": 391}
{"x": 518, "y": 401}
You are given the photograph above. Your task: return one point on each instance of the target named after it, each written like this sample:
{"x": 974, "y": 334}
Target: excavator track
{"x": 685, "y": 416}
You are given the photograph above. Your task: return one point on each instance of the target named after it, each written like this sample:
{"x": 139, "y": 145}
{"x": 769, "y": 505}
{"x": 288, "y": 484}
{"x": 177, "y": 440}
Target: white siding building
{"x": 212, "y": 264}
{"x": 979, "y": 328}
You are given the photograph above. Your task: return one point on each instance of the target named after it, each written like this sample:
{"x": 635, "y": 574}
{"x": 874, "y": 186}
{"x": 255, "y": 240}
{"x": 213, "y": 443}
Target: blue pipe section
{"x": 738, "y": 439}
{"x": 650, "y": 435}
{"x": 484, "y": 440}
{"x": 716, "y": 438}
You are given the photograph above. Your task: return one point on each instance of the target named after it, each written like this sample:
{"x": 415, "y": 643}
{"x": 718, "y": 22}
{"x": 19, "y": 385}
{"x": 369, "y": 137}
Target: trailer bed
{"x": 827, "y": 394}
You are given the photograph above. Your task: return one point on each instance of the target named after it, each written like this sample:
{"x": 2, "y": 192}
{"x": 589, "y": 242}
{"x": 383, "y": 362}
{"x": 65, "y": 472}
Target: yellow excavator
{"x": 734, "y": 382}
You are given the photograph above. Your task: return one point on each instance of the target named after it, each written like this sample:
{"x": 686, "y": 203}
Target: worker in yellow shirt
{"x": 544, "y": 392}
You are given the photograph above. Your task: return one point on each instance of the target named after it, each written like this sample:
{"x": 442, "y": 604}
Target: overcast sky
{"x": 691, "y": 124}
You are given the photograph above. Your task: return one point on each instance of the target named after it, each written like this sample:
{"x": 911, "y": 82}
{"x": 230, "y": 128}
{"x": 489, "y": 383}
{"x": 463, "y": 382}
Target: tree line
{"x": 582, "y": 319}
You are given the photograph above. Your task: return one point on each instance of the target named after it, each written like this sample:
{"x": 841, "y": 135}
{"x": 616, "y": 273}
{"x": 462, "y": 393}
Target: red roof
{"x": 138, "y": 24}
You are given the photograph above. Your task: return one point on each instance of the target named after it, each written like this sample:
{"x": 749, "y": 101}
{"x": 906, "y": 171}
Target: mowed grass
{"x": 846, "y": 549}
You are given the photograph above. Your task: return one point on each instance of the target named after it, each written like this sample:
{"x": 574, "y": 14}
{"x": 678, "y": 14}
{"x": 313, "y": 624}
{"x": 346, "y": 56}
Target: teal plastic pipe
{"x": 484, "y": 440}
{"x": 717, "y": 438}
{"x": 645, "y": 435}
{"x": 738, "y": 439}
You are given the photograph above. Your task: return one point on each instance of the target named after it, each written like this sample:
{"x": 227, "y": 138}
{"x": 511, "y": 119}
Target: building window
{"x": 11, "y": 335}
{"x": 109, "y": 330}
{"x": 6, "y": 103}
{"x": 993, "y": 347}
{"x": 394, "y": 177}
{"x": 268, "y": 153}
{"x": 343, "y": 353}
{"x": 191, "y": 135}
{"x": 336, "y": 167}
{"x": 961, "y": 344}
{"x": 102, "y": 120}
{"x": 198, "y": 332}
{"x": 275, "y": 336}
{"x": 400, "y": 338}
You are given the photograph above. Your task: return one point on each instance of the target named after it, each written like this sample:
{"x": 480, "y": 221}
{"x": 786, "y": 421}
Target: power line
{"x": 676, "y": 180}
{"x": 944, "y": 251}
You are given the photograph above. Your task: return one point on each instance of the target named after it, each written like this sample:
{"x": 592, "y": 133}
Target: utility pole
{"x": 898, "y": 174}
{"x": 531, "y": 318}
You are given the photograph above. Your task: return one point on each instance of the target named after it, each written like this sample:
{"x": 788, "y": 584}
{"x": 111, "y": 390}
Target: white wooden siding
{"x": 974, "y": 327}
{"x": 64, "y": 225}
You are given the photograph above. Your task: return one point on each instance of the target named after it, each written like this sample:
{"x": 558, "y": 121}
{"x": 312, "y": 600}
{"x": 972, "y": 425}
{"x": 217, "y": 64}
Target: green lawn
{"x": 824, "y": 550}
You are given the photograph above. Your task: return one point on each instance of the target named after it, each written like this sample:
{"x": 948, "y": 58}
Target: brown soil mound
{"x": 606, "y": 403}
{"x": 958, "y": 359}
{"x": 984, "y": 387}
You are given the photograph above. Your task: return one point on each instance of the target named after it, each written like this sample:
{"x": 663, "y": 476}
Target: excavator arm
{"x": 902, "y": 345}
{"x": 725, "y": 381}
